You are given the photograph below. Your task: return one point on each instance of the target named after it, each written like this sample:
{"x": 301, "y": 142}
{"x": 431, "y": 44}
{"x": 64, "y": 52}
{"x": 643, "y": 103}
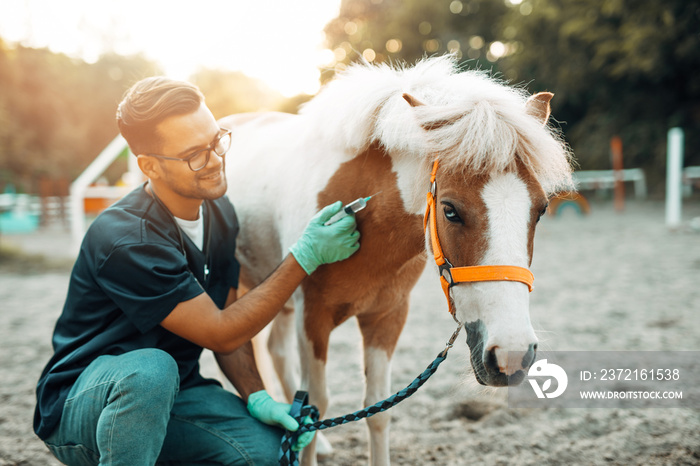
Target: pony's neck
{"x": 402, "y": 178}
{"x": 386, "y": 220}
{"x": 413, "y": 181}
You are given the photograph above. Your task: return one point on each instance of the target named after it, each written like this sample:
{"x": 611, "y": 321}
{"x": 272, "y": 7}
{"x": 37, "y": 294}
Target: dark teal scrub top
{"x": 134, "y": 267}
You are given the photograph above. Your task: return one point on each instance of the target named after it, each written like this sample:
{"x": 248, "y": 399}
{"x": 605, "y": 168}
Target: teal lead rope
{"x": 301, "y": 409}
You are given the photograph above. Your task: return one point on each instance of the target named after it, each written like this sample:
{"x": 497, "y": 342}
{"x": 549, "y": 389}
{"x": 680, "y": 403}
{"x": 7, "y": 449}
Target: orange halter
{"x": 450, "y": 275}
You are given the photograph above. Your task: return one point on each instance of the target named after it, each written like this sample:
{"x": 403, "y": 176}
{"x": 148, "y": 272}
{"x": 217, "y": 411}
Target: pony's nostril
{"x": 497, "y": 359}
{"x": 529, "y": 357}
{"x": 492, "y": 359}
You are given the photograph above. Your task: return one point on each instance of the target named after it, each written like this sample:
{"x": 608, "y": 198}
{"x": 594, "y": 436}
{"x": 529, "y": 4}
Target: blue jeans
{"x": 128, "y": 410}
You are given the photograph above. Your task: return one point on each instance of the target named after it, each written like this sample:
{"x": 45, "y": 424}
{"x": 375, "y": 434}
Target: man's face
{"x": 182, "y": 135}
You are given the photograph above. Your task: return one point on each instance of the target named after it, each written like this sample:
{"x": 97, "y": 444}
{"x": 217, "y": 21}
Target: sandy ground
{"x": 603, "y": 282}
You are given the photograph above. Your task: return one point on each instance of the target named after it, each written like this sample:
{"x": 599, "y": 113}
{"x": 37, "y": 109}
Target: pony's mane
{"x": 479, "y": 123}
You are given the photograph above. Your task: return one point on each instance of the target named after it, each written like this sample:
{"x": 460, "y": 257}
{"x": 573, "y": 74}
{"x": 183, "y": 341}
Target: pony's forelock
{"x": 478, "y": 122}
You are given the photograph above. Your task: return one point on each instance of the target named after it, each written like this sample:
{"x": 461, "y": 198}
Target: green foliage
{"x": 292, "y": 104}
{"x": 406, "y": 30}
{"x": 228, "y": 92}
{"x": 626, "y": 67}
{"x": 58, "y": 113}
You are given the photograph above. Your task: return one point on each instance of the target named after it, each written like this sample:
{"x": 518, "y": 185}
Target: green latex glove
{"x": 266, "y": 410}
{"x": 321, "y": 244}
{"x": 304, "y": 439}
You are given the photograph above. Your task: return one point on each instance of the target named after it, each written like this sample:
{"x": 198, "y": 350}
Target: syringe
{"x": 352, "y": 208}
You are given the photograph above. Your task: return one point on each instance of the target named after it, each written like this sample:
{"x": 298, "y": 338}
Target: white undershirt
{"x": 194, "y": 229}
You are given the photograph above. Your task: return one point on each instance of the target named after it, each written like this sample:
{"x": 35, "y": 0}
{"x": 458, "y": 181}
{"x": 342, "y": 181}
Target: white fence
{"x": 81, "y": 189}
{"x": 605, "y": 179}
{"x": 690, "y": 179}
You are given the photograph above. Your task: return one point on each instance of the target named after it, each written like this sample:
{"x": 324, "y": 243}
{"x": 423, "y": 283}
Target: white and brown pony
{"x": 377, "y": 128}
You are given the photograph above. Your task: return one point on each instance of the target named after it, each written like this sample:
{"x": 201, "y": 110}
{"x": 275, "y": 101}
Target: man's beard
{"x": 199, "y": 189}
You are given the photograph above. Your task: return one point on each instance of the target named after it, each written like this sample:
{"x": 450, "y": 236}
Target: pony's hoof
{"x": 323, "y": 446}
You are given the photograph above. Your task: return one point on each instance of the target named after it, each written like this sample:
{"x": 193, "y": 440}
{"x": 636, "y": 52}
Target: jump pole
{"x": 616, "y": 153}
{"x": 674, "y": 167}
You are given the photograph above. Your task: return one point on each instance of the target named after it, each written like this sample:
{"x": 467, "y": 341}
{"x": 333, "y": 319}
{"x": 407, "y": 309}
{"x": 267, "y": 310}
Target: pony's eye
{"x": 451, "y": 214}
{"x": 542, "y": 212}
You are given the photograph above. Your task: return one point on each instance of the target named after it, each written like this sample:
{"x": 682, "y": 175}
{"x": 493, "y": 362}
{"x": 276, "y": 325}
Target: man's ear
{"x": 149, "y": 166}
{"x": 538, "y": 106}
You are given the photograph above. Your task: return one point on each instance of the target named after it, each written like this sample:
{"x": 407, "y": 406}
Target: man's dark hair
{"x": 148, "y": 103}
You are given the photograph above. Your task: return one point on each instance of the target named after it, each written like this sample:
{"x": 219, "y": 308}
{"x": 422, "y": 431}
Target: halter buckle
{"x": 446, "y": 271}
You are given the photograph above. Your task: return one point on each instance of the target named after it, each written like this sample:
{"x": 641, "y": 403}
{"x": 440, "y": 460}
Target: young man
{"x": 154, "y": 283}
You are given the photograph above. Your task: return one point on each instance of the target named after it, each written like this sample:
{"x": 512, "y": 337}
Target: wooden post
{"x": 45, "y": 192}
{"x": 616, "y": 153}
{"x": 674, "y": 167}
{"x": 62, "y": 193}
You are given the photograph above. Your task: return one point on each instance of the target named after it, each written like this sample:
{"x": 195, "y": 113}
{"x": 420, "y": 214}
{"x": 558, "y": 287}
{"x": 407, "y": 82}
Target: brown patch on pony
{"x": 439, "y": 123}
{"x": 375, "y": 281}
{"x": 382, "y": 329}
{"x": 463, "y": 244}
{"x": 538, "y": 202}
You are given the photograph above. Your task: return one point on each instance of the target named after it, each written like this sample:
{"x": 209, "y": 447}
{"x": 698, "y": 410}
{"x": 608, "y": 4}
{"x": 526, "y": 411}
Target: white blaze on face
{"x": 503, "y": 307}
{"x": 508, "y": 205}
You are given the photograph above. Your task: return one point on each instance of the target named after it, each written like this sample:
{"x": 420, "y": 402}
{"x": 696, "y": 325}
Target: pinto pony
{"x": 494, "y": 162}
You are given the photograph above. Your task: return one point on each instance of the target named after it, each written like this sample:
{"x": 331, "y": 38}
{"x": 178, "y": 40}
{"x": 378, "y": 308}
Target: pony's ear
{"x": 538, "y": 106}
{"x": 412, "y": 101}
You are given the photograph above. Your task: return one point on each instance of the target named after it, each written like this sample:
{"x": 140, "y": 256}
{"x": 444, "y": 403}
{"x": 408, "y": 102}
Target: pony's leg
{"x": 281, "y": 344}
{"x": 284, "y": 352}
{"x": 313, "y": 349}
{"x": 380, "y": 334}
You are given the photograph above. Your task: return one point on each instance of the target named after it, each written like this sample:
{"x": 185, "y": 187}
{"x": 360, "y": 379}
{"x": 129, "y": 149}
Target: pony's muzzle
{"x": 509, "y": 362}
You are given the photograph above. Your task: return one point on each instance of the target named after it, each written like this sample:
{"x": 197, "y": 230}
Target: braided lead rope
{"x": 300, "y": 409}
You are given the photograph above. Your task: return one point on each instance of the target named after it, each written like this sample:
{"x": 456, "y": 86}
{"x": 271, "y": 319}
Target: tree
{"x": 626, "y": 67}
{"x": 230, "y": 92}
{"x": 57, "y": 113}
{"x": 405, "y": 31}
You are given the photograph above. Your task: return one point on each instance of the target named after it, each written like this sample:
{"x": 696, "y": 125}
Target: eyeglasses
{"x": 200, "y": 158}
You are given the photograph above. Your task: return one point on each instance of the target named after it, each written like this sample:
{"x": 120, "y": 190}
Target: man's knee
{"x": 154, "y": 374}
{"x": 266, "y": 450}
